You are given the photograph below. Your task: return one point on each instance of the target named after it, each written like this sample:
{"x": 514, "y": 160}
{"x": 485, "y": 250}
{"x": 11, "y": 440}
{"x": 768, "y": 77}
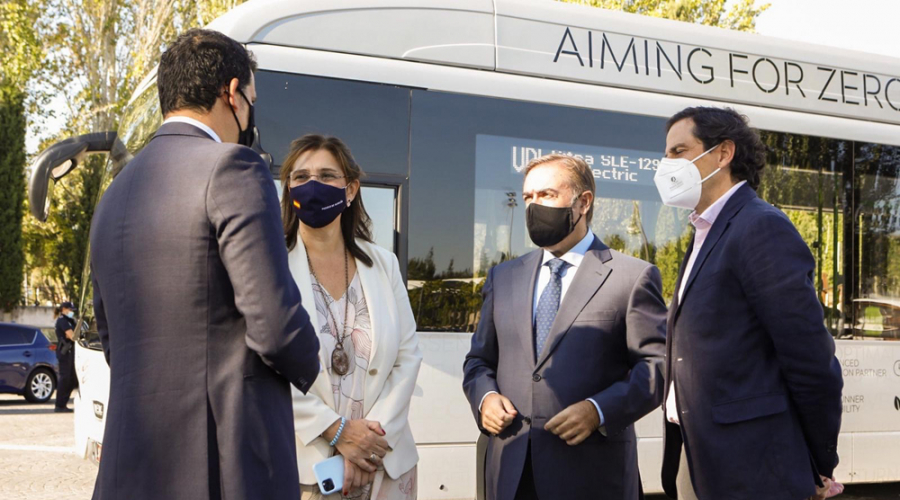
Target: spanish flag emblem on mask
{"x": 297, "y": 204}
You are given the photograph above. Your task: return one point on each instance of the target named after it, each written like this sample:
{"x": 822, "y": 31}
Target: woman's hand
{"x": 360, "y": 440}
{"x": 354, "y": 477}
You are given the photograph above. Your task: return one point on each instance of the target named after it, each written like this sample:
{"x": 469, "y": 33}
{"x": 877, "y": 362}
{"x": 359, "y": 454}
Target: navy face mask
{"x": 318, "y": 204}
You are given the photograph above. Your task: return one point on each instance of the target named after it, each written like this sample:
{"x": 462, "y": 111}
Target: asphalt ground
{"x": 38, "y": 462}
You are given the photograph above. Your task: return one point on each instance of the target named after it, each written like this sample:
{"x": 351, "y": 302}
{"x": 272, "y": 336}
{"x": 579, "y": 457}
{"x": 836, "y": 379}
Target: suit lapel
{"x": 375, "y": 297}
{"x": 299, "y": 267}
{"x": 734, "y": 205}
{"x": 368, "y": 278}
{"x": 524, "y": 280}
{"x": 589, "y": 277}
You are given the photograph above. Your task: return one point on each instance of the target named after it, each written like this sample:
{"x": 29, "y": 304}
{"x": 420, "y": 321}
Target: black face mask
{"x": 245, "y": 136}
{"x": 547, "y": 226}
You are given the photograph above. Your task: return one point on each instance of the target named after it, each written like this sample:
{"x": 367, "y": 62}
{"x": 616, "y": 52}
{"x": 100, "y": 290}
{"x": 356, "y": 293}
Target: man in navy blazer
{"x": 568, "y": 351}
{"x": 753, "y": 390}
{"x": 200, "y": 319}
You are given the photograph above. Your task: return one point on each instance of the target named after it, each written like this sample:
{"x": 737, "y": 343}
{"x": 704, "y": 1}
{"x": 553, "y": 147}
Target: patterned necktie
{"x": 548, "y": 304}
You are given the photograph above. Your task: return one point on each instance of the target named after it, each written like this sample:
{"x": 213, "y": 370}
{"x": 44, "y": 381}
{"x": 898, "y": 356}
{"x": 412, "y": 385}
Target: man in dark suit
{"x": 568, "y": 352}
{"x": 199, "y": 317}
{"x": 753, "y": 402}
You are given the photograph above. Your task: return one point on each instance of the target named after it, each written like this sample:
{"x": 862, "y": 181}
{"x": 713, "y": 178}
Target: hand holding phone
{"x": 330, "y": 474}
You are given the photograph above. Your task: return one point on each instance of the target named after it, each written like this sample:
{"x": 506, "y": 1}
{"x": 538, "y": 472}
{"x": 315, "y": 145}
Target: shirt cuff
{"x": 485, "y": 397}
{"x": 599, "y": 412}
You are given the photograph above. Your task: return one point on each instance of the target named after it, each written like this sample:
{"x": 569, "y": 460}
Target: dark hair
{"x": 354, "y": 220}
{"x": 715, "y": 125}
{"x": 197, "y": 68}
{"x": 581, "y": 177}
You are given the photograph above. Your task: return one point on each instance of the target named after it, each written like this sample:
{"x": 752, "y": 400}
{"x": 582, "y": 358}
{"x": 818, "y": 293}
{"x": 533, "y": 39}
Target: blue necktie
{"x": 548, "y": 304}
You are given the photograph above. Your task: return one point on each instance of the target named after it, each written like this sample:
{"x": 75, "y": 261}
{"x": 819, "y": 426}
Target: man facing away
{"x": 568, "y": 351}
{"x": 753, "y": 403}
{"x": 199, "y": 317}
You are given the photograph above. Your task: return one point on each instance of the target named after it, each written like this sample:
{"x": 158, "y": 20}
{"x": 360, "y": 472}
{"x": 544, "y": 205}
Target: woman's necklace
{"x": 340, "y": 362}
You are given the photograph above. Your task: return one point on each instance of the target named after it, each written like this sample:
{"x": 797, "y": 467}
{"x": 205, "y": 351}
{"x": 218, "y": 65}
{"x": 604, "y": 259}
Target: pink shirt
{"x": 702, "y": 224}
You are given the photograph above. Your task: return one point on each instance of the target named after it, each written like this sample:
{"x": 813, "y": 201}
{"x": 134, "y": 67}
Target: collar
{"x": 574, "y": 256}
{"x": 190, "y": 121}
{"x": 712, "y": 212}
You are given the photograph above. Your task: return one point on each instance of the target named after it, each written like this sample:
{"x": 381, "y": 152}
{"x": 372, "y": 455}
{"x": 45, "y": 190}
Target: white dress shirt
{"x": 573, "y": 258}
{"x": 702, "y": 224}
{"x": 190, "y": 121}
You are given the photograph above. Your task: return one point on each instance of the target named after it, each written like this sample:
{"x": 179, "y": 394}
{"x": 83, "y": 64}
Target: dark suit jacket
{"x": 758, "y": 387}
{"x": 201, "y": 324}
{"x": 606, "y": 343}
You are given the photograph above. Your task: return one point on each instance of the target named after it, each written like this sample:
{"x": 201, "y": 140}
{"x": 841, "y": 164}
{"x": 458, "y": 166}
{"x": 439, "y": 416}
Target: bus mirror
{"x": 258, "y": 147}
{"x": 63, "y": 169}
{"x": 59, "y": 160}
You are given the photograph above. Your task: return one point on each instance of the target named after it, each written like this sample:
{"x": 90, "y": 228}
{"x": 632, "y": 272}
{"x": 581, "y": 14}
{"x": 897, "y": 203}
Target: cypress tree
{"x": 12, "y": 194}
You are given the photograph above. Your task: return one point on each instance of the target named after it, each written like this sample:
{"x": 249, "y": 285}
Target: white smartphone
{"x": 330, "y": 474}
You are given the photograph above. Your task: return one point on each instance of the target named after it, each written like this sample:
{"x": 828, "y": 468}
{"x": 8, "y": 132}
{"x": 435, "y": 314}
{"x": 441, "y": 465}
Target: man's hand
{"x": 829, "y": 488}
{"x": 497, "y": 412}
{"x": 575, "y": 423}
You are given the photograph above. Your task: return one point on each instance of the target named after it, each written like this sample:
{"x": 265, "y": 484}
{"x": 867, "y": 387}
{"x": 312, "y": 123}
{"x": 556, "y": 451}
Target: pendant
{"x": 340, "y": 363}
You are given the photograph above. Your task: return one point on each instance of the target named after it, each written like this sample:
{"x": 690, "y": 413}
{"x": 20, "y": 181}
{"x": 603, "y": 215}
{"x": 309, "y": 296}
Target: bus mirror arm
{"x": 60, "y": 159}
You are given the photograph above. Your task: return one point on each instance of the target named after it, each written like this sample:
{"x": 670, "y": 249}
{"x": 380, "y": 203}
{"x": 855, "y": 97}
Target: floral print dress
{"x": 349, "y": 389}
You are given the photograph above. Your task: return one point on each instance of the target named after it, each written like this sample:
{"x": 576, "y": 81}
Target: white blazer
{"x": 393, "y": 365}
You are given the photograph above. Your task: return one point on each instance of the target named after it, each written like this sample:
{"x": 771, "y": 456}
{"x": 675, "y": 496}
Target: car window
{"x": 14, "y": 336}
{"x": 50, "y": 333}
{"x": 28, "y": 336}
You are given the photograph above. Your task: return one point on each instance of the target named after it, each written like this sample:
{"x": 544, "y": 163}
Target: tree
{"x": 20, "y": 52}
{"x": 99, "y": 51}
{"x": 741, "y": 17}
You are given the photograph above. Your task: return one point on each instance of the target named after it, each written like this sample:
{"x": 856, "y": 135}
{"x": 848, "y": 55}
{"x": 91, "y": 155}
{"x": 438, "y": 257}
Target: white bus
{"x": 443, "y": 103}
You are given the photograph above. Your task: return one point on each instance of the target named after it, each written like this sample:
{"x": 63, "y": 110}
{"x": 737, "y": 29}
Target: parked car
{"x": 28, "y": 364}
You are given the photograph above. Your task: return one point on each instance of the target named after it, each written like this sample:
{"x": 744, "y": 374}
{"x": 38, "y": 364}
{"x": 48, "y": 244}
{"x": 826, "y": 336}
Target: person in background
{"x": 359, "y": 407}
{"x": 65, "y": 353}
{"x": 753, "y": 399}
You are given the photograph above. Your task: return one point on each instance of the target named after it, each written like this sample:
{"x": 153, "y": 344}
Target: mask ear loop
{"x": 716, "y": 171}
{"x": 580, "y": 215}
{"x": 706, "y": 152}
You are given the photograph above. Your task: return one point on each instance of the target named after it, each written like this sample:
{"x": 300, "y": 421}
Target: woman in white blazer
{"x": 354, "y": 293}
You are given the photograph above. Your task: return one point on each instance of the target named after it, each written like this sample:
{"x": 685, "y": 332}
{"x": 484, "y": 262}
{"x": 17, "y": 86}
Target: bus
{"x": 444, "y": 103}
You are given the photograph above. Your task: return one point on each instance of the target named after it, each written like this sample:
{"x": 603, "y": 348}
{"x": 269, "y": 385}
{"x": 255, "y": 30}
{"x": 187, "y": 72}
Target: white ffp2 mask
{"x": 678, "y": 181}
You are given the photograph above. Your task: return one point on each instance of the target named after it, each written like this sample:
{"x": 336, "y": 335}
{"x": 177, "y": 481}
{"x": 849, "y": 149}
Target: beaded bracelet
{"x": 337, "y": 435}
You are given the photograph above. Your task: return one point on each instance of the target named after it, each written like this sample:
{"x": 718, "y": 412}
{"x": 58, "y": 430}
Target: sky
{"x": 862, "y": 25}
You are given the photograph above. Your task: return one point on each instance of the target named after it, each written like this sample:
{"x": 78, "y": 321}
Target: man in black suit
{"x": 568, "y": 351}
{"x": 200, "y": 320}
{"x": 753, "y": 403}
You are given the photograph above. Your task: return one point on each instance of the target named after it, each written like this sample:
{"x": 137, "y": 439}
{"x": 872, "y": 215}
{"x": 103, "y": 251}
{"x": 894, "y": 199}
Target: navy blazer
{"x": 757, "y": 384}
{"x": 606, "y": 343}
{"x": 201, "y": 323}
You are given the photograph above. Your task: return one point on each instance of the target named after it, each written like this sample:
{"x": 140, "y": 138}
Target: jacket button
{"x": 373, "y": 371}
{"x": 536, "y": 377}
{"x": 526, "y": 421}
